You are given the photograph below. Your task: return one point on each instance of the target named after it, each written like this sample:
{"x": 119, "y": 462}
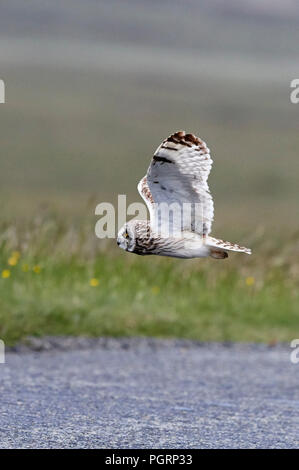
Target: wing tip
{"x": 187, "y": 139}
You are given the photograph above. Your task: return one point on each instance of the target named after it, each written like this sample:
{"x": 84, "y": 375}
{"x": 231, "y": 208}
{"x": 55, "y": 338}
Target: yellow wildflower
{"x": 94, "y": 282}
{"x": 36, "y": 269}
{"x": 5, "y": 273}
{"x": 12, "y": 261}
{"x": 250, "y": 281}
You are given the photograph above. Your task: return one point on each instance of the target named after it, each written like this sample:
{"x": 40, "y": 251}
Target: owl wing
{"x": 177, "y": 178}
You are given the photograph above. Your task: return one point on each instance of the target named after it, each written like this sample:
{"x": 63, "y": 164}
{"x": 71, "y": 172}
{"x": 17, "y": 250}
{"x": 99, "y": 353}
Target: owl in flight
{"x": 176, "y": 192}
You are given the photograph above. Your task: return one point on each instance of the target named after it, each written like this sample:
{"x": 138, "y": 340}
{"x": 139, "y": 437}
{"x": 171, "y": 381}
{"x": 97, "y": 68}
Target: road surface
{"x": 143, "y": 393}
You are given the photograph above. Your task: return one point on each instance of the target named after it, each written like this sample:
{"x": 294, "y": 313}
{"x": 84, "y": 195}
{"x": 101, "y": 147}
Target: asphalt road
{"x": 148, "y": 394}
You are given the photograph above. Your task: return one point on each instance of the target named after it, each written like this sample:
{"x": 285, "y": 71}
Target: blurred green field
{"x": 68, "y": 138}
{"x": 84, "y": 114}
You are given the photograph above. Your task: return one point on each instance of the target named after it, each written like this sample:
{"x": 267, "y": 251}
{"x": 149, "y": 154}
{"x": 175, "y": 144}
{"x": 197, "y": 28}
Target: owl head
{"x": 135, "y": 237}
{"x": 126, "y": 237}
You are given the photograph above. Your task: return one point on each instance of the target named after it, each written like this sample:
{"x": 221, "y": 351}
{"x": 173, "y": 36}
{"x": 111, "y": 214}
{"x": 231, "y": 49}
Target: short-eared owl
{"x": 181, "y": 209}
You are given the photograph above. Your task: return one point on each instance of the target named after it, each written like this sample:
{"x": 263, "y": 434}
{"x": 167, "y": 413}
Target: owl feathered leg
{"x": 218, "y": 254}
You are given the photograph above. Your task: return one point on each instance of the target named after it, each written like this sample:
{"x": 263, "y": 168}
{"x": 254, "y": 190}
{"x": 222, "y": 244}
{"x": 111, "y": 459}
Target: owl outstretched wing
{"x": 177, "y": 179}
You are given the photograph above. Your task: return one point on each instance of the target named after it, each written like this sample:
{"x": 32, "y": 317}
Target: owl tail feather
{"x": 219, "y": 248}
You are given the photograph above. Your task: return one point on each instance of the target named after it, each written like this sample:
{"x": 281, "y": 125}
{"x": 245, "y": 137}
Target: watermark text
{"x": 2, "y": 91}
{"x": 294, "y": 96}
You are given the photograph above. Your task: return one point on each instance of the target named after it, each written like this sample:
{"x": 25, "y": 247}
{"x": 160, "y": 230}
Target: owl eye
{"x": 126, "y": 235}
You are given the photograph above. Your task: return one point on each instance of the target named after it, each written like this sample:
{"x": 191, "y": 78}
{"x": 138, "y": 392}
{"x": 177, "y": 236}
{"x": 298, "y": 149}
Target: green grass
{"x": 207, "y": 300}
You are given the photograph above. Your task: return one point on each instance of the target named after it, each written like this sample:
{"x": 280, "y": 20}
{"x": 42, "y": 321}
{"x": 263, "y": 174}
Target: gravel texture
{"x": 146, "y": 393}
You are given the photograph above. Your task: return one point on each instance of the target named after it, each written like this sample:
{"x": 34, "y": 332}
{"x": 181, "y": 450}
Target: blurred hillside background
{"x": 93, "y": 87}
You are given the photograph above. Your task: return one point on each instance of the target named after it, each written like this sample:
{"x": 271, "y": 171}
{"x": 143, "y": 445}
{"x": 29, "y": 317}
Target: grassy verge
{"x": 56, "y": 281}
